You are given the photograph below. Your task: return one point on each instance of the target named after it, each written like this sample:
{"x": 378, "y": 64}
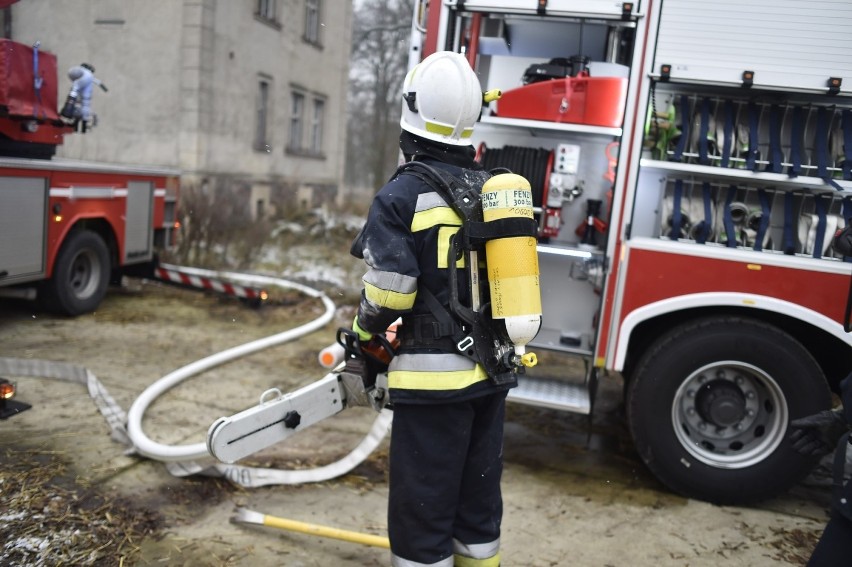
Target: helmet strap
{"x": 416, "y": 147}
{"x": 411, "y": 100}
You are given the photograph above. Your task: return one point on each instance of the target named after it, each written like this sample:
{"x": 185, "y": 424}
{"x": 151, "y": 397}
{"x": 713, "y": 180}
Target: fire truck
{"x": 691, "y": 162}
{"x": 68, "y": 228}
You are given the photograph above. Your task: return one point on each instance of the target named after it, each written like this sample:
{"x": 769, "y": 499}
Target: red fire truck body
{"x": 686, "y": 223}
{"x": 68, "y": 228}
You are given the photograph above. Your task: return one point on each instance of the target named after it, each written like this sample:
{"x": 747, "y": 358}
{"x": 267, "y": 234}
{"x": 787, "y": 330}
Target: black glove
{"x": 818, "y": 434}
{"x": 843, "y": 241}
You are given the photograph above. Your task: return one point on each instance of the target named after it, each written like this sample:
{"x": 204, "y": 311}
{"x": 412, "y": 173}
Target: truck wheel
{"x": 80, "y": 275}
{"x": 709, "y": 407}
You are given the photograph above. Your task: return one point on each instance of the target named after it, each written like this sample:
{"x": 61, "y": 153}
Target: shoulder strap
{"x": 466, "y": 201}
{"x": 463, "y": 198}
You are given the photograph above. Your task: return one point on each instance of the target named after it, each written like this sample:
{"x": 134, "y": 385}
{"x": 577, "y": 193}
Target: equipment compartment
{"x": 762, "y": 132}
{"x": 749, "y": 169}
{"x": 793, "y": 221}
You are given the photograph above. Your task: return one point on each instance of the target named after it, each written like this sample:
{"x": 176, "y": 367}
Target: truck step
{"x": 554, "y": 394}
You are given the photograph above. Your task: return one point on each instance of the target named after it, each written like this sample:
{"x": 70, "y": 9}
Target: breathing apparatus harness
{"x": 467, "y": 330}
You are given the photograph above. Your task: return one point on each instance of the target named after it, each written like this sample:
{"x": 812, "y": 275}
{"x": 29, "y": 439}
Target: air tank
{"x": 513, "y": 261}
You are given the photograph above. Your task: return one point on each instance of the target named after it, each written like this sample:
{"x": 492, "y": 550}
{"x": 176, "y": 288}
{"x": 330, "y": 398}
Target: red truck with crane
{"x": 68, "y": 228}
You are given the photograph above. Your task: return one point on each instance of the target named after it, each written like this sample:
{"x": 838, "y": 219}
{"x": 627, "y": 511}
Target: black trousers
{"x": 446, "y": 461}
{"x": 835, "y": 546}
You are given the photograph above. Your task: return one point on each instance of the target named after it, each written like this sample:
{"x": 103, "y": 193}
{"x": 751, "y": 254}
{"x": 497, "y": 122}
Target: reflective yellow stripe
{"x": 390, "y": 299}
{"x": 433, "y": 217}
{"x": 455, "y": 380}
{"x": 443, "y": 130}
{"x": 393, "y": 281}
{"x": 462, "y": 561}
{"x": 438, "y": 128}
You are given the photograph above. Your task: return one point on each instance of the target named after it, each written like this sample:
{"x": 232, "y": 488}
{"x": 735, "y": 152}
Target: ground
{"x": 575, "y": 491}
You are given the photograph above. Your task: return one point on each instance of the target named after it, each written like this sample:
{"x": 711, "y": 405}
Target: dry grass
{"x": 794, "y": 546}
{"x": 49, "y": 519}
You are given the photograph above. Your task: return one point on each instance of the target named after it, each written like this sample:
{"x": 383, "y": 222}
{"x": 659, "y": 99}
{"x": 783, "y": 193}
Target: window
{"x": 297, "y": 109}
{"x": 316, "y": 126}
{"x": 312, "y": 21}
{"x": 107, "y": 12}
{"x": 261, "y": 143}
{"x": 307, "y": 121}
{"x": 266, "y": 9}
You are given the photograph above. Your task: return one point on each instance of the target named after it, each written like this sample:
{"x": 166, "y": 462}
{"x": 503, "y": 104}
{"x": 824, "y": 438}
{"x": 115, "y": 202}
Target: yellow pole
{"x": 325, "y": 531}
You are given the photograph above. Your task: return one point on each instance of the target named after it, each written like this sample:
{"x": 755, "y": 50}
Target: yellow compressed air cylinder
{"x": 513, "y": 261}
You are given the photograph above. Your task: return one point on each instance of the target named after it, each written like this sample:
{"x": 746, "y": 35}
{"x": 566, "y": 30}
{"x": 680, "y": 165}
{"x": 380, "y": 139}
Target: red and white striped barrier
{"x": 176, "y": 275}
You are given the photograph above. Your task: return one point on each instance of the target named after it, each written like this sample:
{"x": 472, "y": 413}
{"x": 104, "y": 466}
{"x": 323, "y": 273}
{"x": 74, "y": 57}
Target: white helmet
{"x": 443, "y": 99}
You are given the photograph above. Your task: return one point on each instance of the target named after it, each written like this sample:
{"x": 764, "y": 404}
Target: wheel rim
{"x": 729, "y": 414}
{"x": 84, "y": 275}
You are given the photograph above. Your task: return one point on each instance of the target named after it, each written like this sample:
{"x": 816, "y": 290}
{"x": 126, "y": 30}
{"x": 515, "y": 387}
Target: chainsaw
{"x": 360, "y": 380}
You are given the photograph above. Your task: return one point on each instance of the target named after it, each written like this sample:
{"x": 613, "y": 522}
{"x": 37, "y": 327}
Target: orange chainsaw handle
{"x": 381, "y": 347}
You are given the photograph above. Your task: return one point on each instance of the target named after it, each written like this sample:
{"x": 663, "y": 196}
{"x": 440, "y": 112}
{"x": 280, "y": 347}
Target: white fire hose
{"x": 181, "y": 459}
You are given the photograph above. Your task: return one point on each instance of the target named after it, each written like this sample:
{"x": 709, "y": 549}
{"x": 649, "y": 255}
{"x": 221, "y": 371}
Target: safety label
{"x": 509, "y": 199}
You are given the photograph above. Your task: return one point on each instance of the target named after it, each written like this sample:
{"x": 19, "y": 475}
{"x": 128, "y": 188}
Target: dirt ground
{"x": 575, "y": 491}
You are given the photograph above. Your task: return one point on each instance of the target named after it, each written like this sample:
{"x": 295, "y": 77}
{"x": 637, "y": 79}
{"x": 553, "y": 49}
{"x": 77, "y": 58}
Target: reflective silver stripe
{"x": 385, "y": 298}
{"x": 397, "y": 561}
{"x": 60, "y": 164}
{"x": 390, "y": 281}
{"x": 426, "y": 201}
{"x": 440, "y": 362}
{"x": 477, "y": 550}
{"x": 88, "y": 192}
{"x": 431, "y": 210}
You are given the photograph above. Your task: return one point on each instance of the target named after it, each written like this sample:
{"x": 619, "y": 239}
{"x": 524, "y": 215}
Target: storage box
{"x": 594, "y": 101}
{"x": 17, "y": 82}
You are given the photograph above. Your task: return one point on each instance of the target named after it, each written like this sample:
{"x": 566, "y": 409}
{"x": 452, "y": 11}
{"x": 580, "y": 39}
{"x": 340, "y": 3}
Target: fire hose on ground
{"x": 185, "y": 460}
{"x": 181, "y": 459}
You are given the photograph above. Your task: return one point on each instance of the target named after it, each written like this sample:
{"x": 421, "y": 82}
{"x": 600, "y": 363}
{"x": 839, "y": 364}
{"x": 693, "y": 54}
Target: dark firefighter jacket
{"x": 404, "y": 243}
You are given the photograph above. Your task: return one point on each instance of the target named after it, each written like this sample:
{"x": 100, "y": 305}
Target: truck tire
{"x": 709, "y": 406}
{"x": 80, "y": 275}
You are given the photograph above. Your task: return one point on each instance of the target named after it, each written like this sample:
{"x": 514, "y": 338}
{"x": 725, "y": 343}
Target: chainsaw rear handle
{"x": 378, "y": 348}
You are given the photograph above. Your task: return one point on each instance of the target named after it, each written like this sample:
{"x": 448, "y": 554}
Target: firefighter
{"x": 445, "y": 504}
{"x": 820, "y": 434}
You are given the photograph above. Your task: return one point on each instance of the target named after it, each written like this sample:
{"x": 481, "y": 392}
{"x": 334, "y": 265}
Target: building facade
{"x": 246, "y": 95}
